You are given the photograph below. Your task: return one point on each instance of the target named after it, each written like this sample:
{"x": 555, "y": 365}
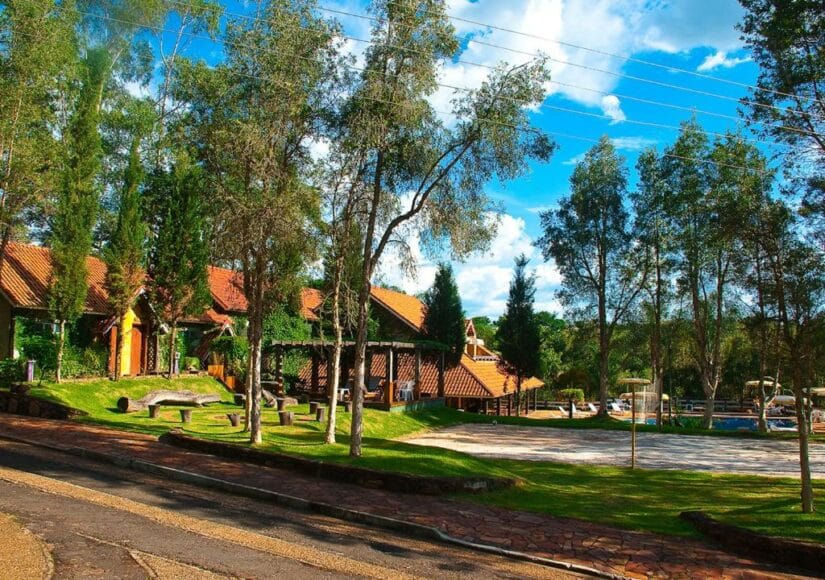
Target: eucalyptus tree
{"x": 590, "y": 239}
{"x": 655, "y": 247}
{"x": 37, "y": 55}
{"x": 409, "y": 167}
{"x": 252, "y": 120}
{"x": 788, "y": 102}
{"x": 519, "y": 335}
{"x": 797, "y": 292}
{"x": 711, "y": 188}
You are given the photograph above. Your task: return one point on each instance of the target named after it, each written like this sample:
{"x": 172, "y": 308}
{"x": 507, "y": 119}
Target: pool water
{"x": 744, "y": 423}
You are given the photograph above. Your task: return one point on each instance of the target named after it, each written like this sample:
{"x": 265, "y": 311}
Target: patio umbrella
{"x": 766, "y": 381}
{"x": 632, "y": 381}
{"x": 642, "y": 395}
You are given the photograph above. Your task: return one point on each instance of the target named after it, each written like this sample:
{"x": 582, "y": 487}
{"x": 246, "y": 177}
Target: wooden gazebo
{"x": 321, "y": 353}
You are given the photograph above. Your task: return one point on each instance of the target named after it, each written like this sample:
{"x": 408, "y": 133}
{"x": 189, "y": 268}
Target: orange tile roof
{"x": 226, "y": 287}
{"x": 27, "y": 269}
{"x": 408, "y": 308}
{"x": 26, "y": 273}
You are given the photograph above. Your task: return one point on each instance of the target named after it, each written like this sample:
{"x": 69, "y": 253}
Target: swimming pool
{"x": 742, "y": 423}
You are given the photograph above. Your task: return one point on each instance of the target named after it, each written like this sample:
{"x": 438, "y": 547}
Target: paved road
{"x": 654, "y": 450}
{"x": 101, "y": 521}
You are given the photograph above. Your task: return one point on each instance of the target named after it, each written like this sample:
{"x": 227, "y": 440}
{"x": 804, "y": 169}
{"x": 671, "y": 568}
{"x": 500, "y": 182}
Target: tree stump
{"x": 186, "y": 415}
{"x": 153, "y": 411}
{"x": 285, "y": 417}
{"x": 281, "y": 403}
{"x": 313, "y": 407}
{"x": 234, "y": 419}
{"x": 319, "y": 414}
{"x": 348, "y": 407}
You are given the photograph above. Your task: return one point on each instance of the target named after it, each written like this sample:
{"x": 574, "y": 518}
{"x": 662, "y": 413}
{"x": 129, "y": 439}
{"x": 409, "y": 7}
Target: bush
{"x": 87, "y": 362}
{"x": 11, "y": 371}
{"x": 234, "y": 350}
{"x": 42, "y": 350}
{"x": 568, "y": 394}
{"x": 192, "y": 363}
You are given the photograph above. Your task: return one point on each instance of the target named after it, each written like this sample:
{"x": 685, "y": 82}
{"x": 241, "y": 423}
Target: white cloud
{"x": 612, "y": 107}
{"x": 575, "y": 160}
{"x": 632, "y": 143}
{"x": 484, "y": 279}
{"x": 720, "y": 59}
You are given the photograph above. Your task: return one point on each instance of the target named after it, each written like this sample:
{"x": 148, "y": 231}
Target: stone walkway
{"x": 623, "y": 552}
{"x": 653, "y": 450}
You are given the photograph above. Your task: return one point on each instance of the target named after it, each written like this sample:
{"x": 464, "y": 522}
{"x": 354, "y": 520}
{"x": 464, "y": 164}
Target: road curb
{"x": 298, "y": 503}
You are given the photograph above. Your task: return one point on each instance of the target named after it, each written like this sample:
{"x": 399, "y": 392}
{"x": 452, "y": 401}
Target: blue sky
{"x": 694, "y": 35}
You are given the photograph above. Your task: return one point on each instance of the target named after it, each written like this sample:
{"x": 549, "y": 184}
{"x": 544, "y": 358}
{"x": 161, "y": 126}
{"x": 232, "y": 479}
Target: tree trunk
{"x": 247, "y": 404}
{"x": 256, "y": 436}
{"x": 61, "y": 341}
{"x": 173, "y": 339}
{"x": 119, "y": 348}
{"x": 335, "y": 380}
{"x": 357, "y": 428}
{"x": 603, "y": 372}
{"x": 710, "y": 401}
{"x": 255, "y": 336}
{"x": 807, "y": 493}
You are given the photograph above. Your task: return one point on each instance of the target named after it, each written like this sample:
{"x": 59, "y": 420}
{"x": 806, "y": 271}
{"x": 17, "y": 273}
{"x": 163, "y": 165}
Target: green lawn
{"x": 641, "y": 499}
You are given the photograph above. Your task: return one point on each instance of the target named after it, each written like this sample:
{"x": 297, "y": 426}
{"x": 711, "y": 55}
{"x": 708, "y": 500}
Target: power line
{"x": 482, "y": 120}
{"x": 455, "y": 88}
{"x": 577, "y": 65}
{"x": 622, "y": 57}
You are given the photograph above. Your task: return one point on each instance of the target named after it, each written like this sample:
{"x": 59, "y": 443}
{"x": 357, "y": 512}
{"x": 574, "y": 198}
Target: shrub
{"x": 11, "y": 371}
{"x": 192, "y": 363}
{"x": 234, "y": 350}
{"x": 568, "y": 394}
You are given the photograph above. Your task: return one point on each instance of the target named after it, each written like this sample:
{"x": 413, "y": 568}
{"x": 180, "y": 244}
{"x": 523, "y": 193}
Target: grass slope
{"x": 641, "y": 499}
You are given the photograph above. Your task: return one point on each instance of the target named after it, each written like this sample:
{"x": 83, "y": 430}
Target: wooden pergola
{"x": 321, "y": 351}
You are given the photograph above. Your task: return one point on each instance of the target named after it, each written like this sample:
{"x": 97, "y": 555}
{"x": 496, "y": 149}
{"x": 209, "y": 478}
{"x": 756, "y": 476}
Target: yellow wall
{"x": 126, "y": 350}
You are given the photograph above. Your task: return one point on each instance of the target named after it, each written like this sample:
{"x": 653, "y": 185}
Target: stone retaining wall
{"x": 399, "y": 482}
{"x": 17, "y": 401}
{"x": 788, "y": 552}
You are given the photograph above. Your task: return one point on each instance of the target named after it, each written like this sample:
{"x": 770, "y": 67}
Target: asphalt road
{"x": 106, "y": 522}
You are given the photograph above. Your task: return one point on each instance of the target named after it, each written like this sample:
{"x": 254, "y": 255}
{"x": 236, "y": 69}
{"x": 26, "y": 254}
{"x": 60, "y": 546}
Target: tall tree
{"x": 179, "y": 252}
{"x": 798, "y": 292}
{"x": 589, "y": 238}
{"x": 126, "y": 251}
{"x": 36, "y": 46}
{"x": 254, "y": 136}
{"x": 651, "y": 226}
{"x": 519, "y": 336}
{"x": 444, "y": 317}
{"x": 785, "y": 38}
{"x": 407, "y": 165}
{"x": 77, "y": 208}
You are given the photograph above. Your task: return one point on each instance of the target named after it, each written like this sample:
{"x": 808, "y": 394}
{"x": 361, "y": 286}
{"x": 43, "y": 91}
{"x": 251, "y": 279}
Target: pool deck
{"x": 767, "y": 457}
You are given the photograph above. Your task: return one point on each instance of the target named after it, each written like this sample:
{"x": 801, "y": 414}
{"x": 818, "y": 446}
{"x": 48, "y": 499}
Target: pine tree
{"x": 519, "y": 336}
{"x": 179, "y": 254}
{"x": 125, "y": 253}
{"x": 77, "y": 206}
{"x": 444, "y": 319}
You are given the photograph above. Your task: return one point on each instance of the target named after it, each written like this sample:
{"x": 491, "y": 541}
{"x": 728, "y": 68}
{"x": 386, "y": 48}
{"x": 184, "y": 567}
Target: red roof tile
{"x": 227, "y": 289}
{"x": 27, "y": 271}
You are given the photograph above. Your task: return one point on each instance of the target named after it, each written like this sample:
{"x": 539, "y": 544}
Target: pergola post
{"x": 417, "y": 387}
{"x": 510, "y": 405}
{"x": 313, "y": 381}
{"x": 441, "y": 389}
{"x": 367, "y": 371}
{"x": 330, "y": 369}
{"x": 498, "y": 406}
{"x": 389, "y": 374}
{"x": 279, "y": 371}
{"x": 484, "y": 405}
{"x": 527, "y": 403}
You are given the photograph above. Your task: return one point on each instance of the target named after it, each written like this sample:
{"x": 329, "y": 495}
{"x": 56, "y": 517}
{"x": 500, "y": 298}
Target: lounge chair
{"x": 615, "y": 408}
{"x": 592, "y": 408}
